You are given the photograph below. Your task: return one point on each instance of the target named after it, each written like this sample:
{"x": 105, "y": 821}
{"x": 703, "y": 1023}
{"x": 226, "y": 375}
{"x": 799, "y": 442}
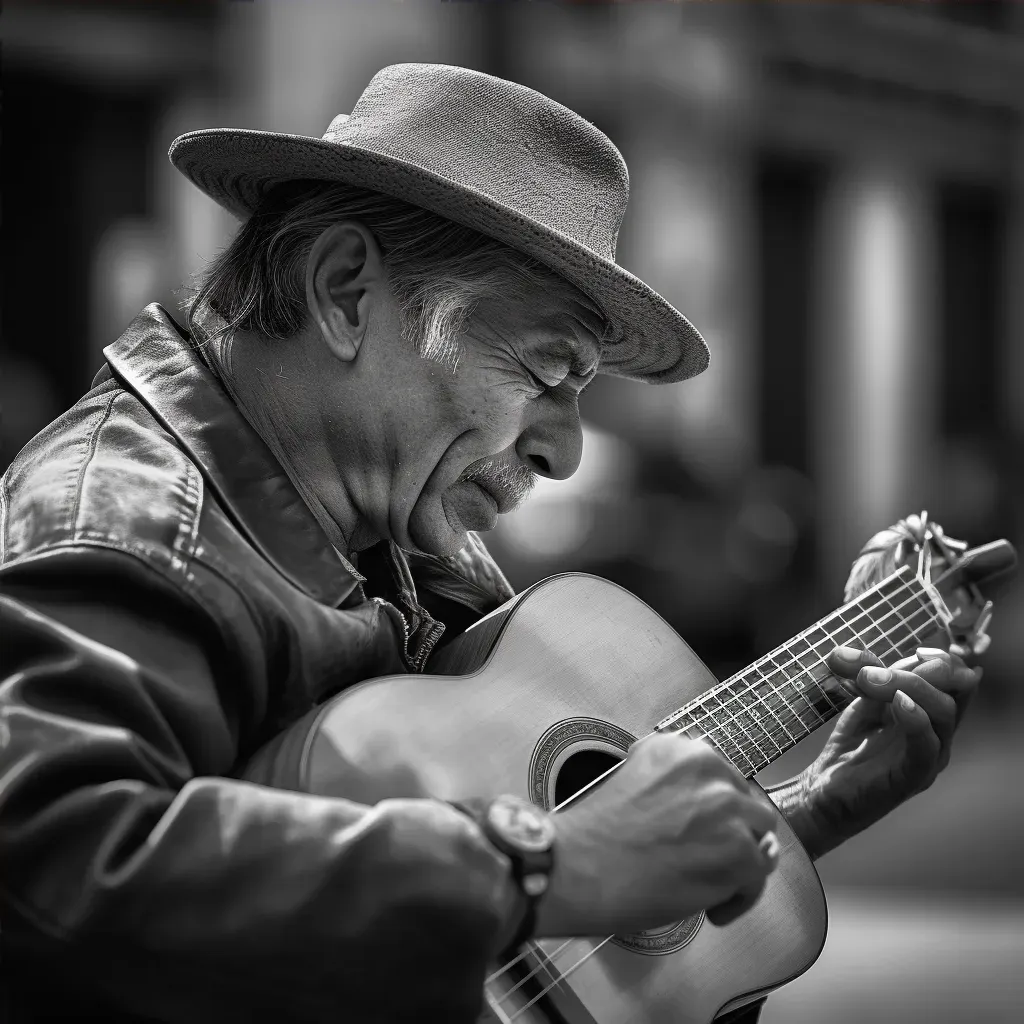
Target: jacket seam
{"x": 144, "y": 555}
{"x": 98, "y": 540}
{"x": 4, "y": 503}
{"x": 94, "y": 437}
{"x": 186, "y": 539}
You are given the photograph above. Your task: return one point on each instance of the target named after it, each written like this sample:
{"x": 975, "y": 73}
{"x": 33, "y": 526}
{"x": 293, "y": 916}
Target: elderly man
{"x": 256, "y": 510}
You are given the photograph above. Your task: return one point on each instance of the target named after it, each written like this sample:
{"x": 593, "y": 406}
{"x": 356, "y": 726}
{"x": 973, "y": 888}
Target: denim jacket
{"x": 169, "y": 604}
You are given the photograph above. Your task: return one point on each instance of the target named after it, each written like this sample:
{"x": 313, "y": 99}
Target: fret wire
{"x": 884, "y": 635}
{"x": 706, "y": 736}
{"x": 732, "y": 718}
{"x": 793, "y": 699}
{"x": 792, "y": 683}
{"x": 821, "y": 688}
{"x": 744, "y": 747}
{"x": 905, "y": 587}
{"x": 757, "y": 669}
{"x": 827, "y": 638}
{"x": 692, "y": 727}
{"x": 819, "y": 662}
{"x": 718, "y": 747}
{"x": 755, "y": 719}
{"x": 736, "y": 736}
{"x": 909, "y": 639}
{"x": 782, "y": 669}
{"x": 751, "y": 765}
{"x": 899, "y": 623}
{"x": 800, "y": 690}
{"x": 708, "y": 733}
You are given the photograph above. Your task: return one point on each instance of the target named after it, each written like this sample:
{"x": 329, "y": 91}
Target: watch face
{"x": 521, "y": 823}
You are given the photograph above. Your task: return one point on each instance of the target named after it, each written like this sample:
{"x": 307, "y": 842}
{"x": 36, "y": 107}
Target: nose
{"x": 552, "y": 443}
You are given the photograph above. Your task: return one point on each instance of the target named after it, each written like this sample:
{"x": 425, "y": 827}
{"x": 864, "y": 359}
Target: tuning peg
{"x": 982, "y": 563}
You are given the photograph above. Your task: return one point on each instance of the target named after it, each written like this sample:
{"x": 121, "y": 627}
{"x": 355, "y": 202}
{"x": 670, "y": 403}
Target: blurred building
{"x": 832, "y": 192}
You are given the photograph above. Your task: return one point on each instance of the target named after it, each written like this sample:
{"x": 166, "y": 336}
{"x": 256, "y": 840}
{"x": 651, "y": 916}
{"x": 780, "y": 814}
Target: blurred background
{"x": 832, "y": 192}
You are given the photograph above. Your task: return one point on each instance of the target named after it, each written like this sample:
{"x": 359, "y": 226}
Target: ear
{"x": 344, "y": 277}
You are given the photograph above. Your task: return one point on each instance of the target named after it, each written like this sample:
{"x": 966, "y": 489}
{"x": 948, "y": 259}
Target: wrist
{"x": 525, "y": 834}
{"x": 572, "y": 905}
{"x": 793, "y": 799}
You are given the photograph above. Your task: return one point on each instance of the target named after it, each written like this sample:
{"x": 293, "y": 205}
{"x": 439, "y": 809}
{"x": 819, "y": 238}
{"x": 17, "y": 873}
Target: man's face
{"x": 452, "y": 450}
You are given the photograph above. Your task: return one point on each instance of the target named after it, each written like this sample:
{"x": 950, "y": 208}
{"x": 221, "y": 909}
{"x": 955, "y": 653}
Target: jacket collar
{"x": 155, "y": 360}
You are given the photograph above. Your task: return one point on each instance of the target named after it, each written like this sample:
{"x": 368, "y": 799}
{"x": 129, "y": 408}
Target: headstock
{"x": 953, "y": 571}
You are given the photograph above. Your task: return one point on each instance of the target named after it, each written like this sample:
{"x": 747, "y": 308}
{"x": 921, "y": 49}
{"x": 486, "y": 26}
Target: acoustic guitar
{"x": 546, "y": 694}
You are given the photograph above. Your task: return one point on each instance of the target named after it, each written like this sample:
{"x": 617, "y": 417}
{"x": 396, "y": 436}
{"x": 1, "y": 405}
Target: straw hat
{"x": 491, "y": 155}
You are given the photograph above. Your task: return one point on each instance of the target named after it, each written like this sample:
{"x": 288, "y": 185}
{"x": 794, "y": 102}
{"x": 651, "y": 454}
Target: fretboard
{"x": 755, "y": 716}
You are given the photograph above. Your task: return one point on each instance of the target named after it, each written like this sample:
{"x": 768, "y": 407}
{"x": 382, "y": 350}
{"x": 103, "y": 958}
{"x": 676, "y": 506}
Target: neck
{"x": 757, "y": 715}
{"x": 271, "y": 402}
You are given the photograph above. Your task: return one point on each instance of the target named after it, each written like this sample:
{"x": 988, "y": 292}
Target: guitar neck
{"x": 755, "y": 716}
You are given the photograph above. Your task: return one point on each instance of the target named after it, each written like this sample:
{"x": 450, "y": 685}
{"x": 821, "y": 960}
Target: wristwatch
{"x": 526, "y": 835}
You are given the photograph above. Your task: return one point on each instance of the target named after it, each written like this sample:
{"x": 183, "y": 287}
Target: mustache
{"x": 509, "y": 482}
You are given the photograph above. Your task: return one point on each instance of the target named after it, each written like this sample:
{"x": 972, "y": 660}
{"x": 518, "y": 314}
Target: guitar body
{"x": 538, "y": 699}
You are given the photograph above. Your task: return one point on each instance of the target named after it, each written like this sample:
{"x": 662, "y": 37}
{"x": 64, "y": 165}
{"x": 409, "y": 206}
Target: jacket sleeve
{"x": 135, "y": 874}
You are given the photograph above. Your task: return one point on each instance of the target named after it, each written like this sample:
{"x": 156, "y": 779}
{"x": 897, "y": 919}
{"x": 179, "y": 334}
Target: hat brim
{"x": 235, "y": 167}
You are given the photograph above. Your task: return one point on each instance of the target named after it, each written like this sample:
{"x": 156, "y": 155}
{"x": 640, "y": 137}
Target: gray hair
{"x": 438, "y": 270}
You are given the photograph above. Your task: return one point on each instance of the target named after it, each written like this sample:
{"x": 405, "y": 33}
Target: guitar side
{"x": 563, "y": 677}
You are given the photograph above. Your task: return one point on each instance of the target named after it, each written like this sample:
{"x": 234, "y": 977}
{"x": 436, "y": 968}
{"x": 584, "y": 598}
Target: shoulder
{"x": 105, "y": 473}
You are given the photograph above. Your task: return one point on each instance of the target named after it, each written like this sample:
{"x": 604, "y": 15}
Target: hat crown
{"x": 500, "y": 138}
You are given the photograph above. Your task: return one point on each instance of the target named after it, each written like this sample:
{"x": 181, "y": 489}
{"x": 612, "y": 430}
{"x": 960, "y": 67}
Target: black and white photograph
{"x": 510, "y": 512}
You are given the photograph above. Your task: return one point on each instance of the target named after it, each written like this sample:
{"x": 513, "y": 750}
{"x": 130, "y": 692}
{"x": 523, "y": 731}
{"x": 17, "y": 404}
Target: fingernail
{"x": 905, "y": 702}
{"x": 849, "y": 654}
{"x": 930, "y": 652}
{"x": 876, "y": 676}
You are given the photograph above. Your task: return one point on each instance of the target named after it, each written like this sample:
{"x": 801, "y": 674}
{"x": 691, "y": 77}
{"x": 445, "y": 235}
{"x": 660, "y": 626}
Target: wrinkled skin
{"x": 891, "y": 742}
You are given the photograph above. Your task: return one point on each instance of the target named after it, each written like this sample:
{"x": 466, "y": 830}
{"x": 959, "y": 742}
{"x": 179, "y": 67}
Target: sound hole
{"x": 579, "y": 770}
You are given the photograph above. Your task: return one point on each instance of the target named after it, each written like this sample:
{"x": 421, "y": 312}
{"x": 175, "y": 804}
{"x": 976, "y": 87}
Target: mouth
{"x": 502, "y": 501}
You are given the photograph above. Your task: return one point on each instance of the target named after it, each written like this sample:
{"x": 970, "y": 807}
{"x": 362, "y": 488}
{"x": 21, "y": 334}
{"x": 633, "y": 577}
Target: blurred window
{"x": 971, "y": 246}
{"x": 788, "y": 198}
{"x": 995, "y": 15}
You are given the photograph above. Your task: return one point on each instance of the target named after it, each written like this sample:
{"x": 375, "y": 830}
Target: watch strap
{"x": 523, "y": 869}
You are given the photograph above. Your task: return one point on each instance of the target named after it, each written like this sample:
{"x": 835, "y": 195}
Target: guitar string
{"x": 711, "y": 721}
{"x": 551, "y": 959}
{"x": 526, "y": 977}
{"x": 812, "y": 647}
{"x": 829, "y": 635}
{"x": 714, "y": 721}
{"x": 905, "y": 587}
{"x": 732, "y": 684}
{"x": 558, "y": 980}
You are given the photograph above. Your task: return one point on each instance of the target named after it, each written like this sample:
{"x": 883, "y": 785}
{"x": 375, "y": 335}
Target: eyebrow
{"x": 584, "y": 353}
{"x": 581, "y": 364}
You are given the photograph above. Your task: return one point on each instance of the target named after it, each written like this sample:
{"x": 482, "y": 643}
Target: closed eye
{"x": 542, "y": 385}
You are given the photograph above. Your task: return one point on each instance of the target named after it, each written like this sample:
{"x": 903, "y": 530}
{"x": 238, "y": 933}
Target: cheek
{"x": 497, "y": 406}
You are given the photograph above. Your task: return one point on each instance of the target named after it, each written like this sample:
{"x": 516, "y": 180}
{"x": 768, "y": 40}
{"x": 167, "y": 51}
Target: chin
{"x": 435, "y": 534}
